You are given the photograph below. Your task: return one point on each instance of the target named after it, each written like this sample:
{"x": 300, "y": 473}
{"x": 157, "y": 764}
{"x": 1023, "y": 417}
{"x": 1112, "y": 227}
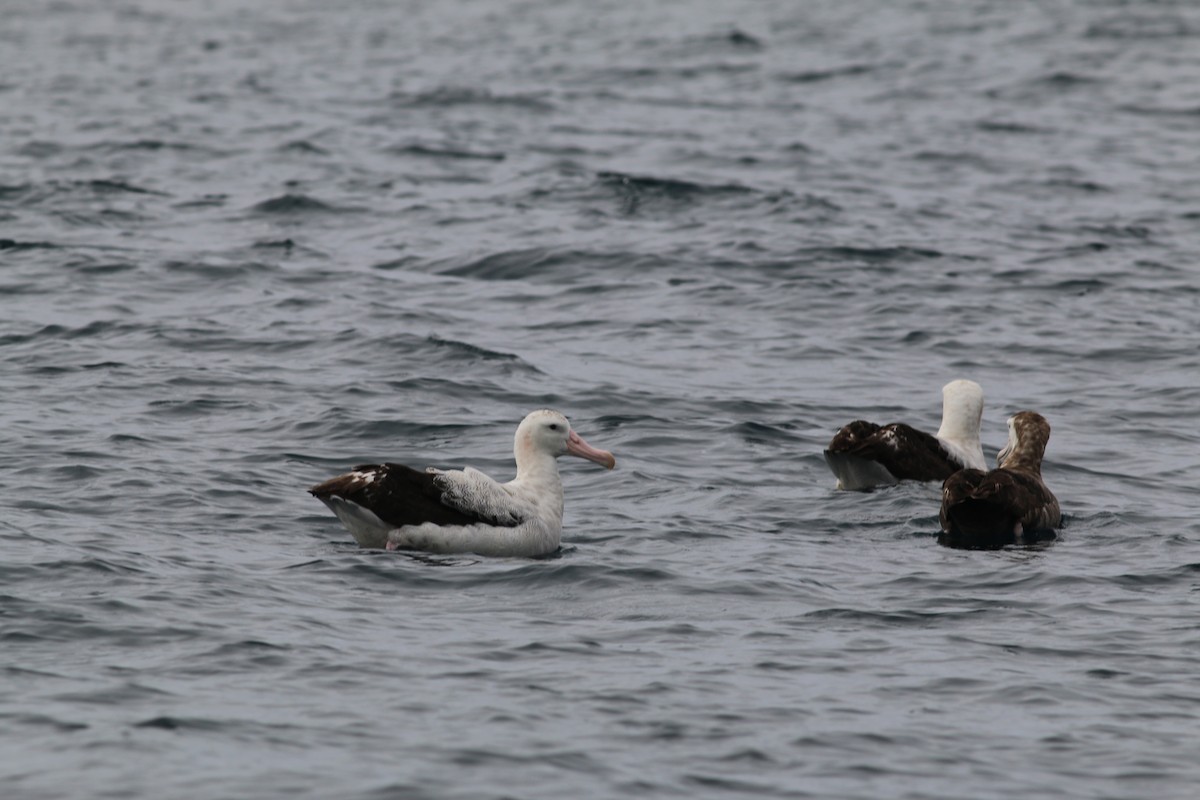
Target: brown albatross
{"x": 465, "y": 511}
{"x": 863, "y": 454}
{"x": 1010, "y": 504}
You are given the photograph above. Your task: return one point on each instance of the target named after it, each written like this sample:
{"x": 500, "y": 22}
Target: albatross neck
{"x": 535, "y": 466}
{"x": 1026, "y": 455}
{"x": 962, "y": 411}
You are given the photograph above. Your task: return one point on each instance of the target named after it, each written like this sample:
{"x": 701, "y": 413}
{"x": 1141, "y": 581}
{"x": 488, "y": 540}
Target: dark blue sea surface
{"x": 244, "y": 246}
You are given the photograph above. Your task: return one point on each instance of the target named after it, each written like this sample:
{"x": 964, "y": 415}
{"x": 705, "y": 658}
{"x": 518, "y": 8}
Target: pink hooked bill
{"x": 576, "y": 446}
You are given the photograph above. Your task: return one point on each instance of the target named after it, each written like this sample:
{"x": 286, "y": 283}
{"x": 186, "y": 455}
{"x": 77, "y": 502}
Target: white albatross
{"x": 465, "y": 511}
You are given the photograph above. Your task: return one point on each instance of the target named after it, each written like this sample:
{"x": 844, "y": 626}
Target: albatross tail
{"x": 366, "y": 528}
{"x": 856, "y": 474}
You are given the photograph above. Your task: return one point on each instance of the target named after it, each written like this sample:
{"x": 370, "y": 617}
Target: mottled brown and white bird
{"x": 1007, "y": 505}
{"x": 465, "y": 511}
{"x": 863, "y": 455}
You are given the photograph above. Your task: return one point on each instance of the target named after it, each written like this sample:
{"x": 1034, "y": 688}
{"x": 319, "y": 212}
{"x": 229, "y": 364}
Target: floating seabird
{"x": 1007, "y": 505}
{"x": 863, "y": 454}
{"x": 465, "y": 511}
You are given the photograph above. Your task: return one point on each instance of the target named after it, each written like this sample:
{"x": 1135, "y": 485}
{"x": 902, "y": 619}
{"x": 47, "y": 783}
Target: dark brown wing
{"x": 399, "y": 495}
{"x": 904, "y": 451}
{"x": 991, "y": 509}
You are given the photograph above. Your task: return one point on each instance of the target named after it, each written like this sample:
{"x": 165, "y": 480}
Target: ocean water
{"x": 245, "y": 246}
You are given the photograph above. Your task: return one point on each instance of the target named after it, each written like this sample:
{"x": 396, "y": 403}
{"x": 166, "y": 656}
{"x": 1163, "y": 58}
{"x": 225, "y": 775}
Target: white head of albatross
{"x": 544, "y": 436}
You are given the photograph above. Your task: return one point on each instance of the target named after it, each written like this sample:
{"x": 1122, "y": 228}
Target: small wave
{"x": 1138, "y": 232}
{"x": 1072, "y": 251}
{"x": 735, "y": 38}
{"x": 945, "y": 160}
{"x": 1185, "y": 112}
{"x": 275, "y": 244}
{"x": 819, "y": 75}
{"x": 567, "y": 572}
{"x": 95, "y": 328}
{"x": 739, "y": 38}
{"x": 733, "y": 41}
{"x": 13, "y": 244}
{"x": 294, "y": 204}
{"x": 64, "y": 571}
{"x": 74, "y": 473}
{"x": 548, "y": 263}
{"x": 1066, "y": 80}
{"x": 1055, "y": 186}
{"x": 399, "y": 430}
{"x": 624, "y": 75}
{"x": 121, "y": 694}
{"x": 119, "y": 187}
{"x": 1043, "y": 88}
{"x": 1140, "y": 26}
{"x": 1079, "y": 286}
{"x": 1003, "y": 126}
{"x": 470, "y": 352}
{"x": 40, "y": 149}
{"x": 92, "y": 266}
{"x": 437, "y": 355}
{"x": 706, "y": 784}
{"x": 303, "y": 146}
{"x": 447, "y": 96}
{"x": 149, "y": 145}
{"x": 429, "y": 151}
{"x": 172, "y": 723}
{"x": 209, "y": 269}
{"x": 762, "y": 433}
{"x": 896, "y": 618}
{"x": 247, "y": 654}
{"x": 13, "y": 190}
{"x": 640, "y": 193}
{"x": 874, "y": 255}
{"x": 571, "y": 761}
{"x": 204, "y": 201}
{"x": 632, "y": 133}
{"x": 1185, "y": 576}
{"x": 195, "y": 407}
{"x": 671, "y": 187}
{"x": 123, "y": 438}
{"x": 43, "y": 721}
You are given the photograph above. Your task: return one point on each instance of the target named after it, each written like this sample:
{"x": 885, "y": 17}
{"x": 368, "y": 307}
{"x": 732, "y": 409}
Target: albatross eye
{"x": 553, "y": 426}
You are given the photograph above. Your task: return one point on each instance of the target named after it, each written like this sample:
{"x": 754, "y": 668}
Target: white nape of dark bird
{"x": 465, "y": 511}
{"x": 863, "y": 455}
{"x": 1007, "y": 505}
